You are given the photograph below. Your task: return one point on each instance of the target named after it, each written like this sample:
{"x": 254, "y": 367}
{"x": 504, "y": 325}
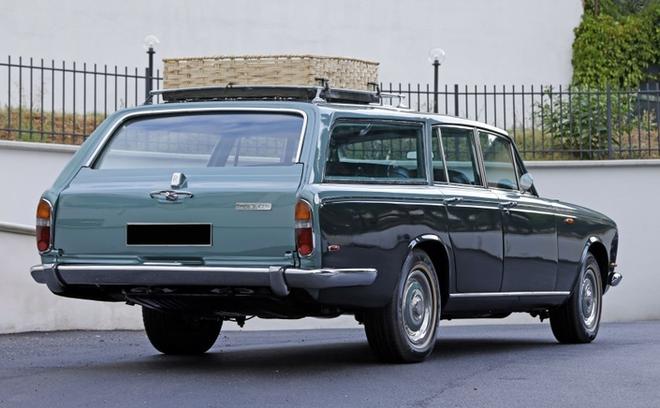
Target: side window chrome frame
{"x": 413, "y": 182}
{"x": 436, "y": 131}
{"x": 513, "y": 158}
{"x": 476, "y": 152}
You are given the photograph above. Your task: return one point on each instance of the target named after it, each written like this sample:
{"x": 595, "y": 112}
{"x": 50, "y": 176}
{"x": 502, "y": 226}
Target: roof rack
{"x": 315, "y": 94}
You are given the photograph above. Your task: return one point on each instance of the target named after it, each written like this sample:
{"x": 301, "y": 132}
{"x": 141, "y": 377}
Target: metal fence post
{"x": 148, "y": 80}
{"x": 609, "y": 122}
{"x": 436, "y": 65}
{"x": 455, "y": 99}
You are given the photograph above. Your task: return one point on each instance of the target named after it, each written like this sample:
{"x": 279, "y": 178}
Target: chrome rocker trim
{"x": 508, "y": 294}
{"x": 278, "y": 278}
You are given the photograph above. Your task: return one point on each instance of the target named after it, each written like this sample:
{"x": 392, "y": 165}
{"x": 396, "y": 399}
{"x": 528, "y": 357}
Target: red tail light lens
{"x": 304, "y": 232}
{"x": 44, "y": 219}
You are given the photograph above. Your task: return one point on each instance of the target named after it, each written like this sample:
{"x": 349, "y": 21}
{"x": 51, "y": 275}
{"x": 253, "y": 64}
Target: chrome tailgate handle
{"x": 170, "y": 195}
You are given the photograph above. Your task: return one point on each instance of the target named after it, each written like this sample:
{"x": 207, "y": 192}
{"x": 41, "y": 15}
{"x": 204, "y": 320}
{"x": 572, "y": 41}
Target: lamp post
{"x": 436, "y": 58}
{"x": 149, "y": 42}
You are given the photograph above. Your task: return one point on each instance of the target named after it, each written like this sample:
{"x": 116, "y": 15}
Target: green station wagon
{"x": 288, "y": 202}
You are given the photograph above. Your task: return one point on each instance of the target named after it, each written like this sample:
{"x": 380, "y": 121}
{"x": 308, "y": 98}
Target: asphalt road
{"x": 489, "y": 366}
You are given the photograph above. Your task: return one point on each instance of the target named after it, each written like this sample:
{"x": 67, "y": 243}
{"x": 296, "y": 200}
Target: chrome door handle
{"x": 452, "y": 200}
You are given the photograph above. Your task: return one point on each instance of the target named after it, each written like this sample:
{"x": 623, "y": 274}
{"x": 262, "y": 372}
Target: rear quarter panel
{"x": 374, "y": 227}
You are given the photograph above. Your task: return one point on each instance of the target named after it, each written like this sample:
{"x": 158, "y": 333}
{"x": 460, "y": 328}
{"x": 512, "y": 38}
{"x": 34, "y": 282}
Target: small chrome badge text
{"x": 254, "y": 206}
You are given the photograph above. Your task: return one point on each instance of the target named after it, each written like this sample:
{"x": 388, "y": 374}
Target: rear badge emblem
{"x": 254, "y": 206}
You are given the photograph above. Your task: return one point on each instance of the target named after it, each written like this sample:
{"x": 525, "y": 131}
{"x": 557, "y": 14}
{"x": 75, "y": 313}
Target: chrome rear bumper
{"x": 278, "y": 278}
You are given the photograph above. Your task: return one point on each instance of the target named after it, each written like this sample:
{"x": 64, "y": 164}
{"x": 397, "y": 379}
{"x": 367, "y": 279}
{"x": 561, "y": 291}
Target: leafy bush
{"x": 617, "y": 46}
{"x": 579, "y": 123}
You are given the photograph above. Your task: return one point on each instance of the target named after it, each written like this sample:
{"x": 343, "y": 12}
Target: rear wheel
{"x": 404, "y": 331}
{"x": 173, "y": 333}
{"x": 578, "y": 320}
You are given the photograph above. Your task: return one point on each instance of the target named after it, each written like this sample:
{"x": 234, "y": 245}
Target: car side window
{"x": 439, "y": 174}
{"x": 460, "y": 155}
{"x": 376, "y": 152}
{"x": 498, "y": 161}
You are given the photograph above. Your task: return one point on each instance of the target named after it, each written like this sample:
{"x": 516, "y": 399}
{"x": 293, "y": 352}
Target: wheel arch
{"x": 598, "y": 249}
{"x": 440, "y": 255}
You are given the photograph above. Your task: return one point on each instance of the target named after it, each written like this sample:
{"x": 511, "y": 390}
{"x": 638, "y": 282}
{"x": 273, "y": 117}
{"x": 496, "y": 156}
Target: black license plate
{"x": 169, "y": 234}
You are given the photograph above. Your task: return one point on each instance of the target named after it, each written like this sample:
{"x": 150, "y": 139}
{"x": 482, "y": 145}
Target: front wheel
{"x": 404, "y": 330}
{"x": 172, "y": 333}
{"x": 577, "y": 320}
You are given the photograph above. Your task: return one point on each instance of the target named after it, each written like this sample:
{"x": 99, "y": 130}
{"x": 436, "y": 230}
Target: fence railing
{"x": 63, "y": 102}
{"x": 59, "y": 102}
{"x": 552, "y": 122}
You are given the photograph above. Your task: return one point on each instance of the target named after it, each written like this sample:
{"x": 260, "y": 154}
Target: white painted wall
{"x": 628, "y": 191}
{"x": 487, "y": 42}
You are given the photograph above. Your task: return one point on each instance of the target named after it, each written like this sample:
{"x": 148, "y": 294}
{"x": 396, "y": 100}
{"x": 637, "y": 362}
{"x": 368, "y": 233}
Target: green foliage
{"x": 579, "y": 122}
{"x": 616, "y": 8}
{"x": 616, "y": 47}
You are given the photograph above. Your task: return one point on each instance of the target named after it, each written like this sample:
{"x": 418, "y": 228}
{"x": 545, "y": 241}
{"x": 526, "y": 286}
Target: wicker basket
{"x": 269, "y": 70}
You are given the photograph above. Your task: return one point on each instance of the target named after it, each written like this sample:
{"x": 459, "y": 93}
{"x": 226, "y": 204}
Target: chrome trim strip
{"x": 438, "y": 203}
{"x": 38, "y": 272}
{"x": 156, "y": 268}
{"x": 147, "y": 112}
{"x": 329, "y": 277}
{"x": 328, "y": 271}
{"x": 20, "y": 229}
{"x": 186, "y": 268}
{"x": 279, "y": 278}
{"x": 40, "y": 268}
{"x": 509, "y": 294}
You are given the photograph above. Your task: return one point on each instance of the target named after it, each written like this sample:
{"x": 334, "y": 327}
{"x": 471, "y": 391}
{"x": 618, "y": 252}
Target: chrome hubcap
{"x": 418, "y": 309}
{"x": 589, "y": 299}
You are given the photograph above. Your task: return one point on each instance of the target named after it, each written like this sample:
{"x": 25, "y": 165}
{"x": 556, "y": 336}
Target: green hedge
{"x": 616, "y": 46}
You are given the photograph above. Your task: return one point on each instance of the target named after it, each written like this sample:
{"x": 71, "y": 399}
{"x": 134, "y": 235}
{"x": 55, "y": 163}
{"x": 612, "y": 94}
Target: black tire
{"x": 415, "y": 305}
{"x": 176, "y": 334}
{"x": 578, "y": 320}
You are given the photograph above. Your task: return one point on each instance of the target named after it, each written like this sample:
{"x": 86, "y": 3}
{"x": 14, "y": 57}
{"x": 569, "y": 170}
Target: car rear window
{"x": 204, "y": 140}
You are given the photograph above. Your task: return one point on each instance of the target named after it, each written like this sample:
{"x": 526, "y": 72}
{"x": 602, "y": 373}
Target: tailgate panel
{"x": 92, "y": 214}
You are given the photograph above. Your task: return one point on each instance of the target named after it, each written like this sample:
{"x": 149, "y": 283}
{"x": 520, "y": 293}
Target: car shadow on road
{"x": 302, "y": 356}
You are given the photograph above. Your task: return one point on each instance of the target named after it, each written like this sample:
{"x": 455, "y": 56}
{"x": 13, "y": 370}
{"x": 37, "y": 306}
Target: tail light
{"x": 304, "y": 232}
{"x": 44, "y": 221}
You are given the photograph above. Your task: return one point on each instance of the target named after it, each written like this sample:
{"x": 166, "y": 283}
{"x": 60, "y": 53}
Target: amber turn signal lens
{"x": 304, "y": 232}
{"x": 44, "y": 217}
{"x": 43, "y": 210}
{"x": 303, "y": 212}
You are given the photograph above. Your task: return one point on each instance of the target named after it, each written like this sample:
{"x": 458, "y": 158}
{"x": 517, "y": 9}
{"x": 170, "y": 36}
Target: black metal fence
{"x": 552, "y": 122}
{"x": 48, "y": 101}
{"x": 62, "y": 103}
